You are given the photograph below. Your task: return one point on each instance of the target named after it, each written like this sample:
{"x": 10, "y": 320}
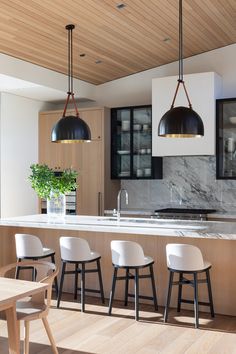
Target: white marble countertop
{"x": 142, "y": 226}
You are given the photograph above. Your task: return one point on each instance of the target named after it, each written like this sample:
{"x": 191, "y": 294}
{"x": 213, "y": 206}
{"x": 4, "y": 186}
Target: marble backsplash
{"x": 187, "y": 182}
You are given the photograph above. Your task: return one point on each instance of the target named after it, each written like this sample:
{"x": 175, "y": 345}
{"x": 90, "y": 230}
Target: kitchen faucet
{"x": 118, "y": 211}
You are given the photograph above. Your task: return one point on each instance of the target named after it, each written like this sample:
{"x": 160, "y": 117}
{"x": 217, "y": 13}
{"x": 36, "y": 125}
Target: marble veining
{"x": 148, "y": 227}
{"x": 187, "y": 182}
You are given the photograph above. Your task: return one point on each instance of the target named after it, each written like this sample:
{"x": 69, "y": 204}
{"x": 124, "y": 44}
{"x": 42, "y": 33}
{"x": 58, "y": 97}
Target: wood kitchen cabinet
{"x": 96, "y": 190}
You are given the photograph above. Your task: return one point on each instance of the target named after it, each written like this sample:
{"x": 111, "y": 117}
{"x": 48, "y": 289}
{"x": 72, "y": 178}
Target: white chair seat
{"x": 206, "y": 265}
{"x": 148, "y": 260}
{"x": 47, "y": 251}
{"x": 94, "y": 255}
{"x": 90, "y": 257}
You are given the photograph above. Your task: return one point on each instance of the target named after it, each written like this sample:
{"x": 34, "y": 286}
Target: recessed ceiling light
{"x": 98, "y": 61}
{"x": 82, "y": 55}
{"x": 120, "y": 6}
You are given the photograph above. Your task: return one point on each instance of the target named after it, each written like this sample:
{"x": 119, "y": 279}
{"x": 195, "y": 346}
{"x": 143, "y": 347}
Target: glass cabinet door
{"x": 142, "y": 142}
{"x": 121, "y": 143}
{"x": 226, "y": 138}
{"x": 131, "y": 144}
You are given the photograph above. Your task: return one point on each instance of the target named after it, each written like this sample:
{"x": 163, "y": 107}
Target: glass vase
{"x": 56, "y": 205}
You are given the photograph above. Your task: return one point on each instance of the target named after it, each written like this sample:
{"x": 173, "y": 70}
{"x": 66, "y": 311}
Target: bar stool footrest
{"x": 79, "y": 271}
{"x": 192, "y": 302}
{"x": 90, "y": 290}
{"x": 141, "y": 297}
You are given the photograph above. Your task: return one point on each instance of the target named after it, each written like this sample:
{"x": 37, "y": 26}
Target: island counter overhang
{"x": 215, "y": 239}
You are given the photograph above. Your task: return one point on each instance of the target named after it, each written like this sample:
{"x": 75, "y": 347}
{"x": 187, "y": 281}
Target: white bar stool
{"x": 187, "y": 259}
{"x": 76, "y": 251}
{"x": 30, "y": 247}
{"x": 129, "y": 255}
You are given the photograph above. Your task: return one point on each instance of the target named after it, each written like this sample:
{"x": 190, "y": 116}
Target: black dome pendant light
{"x": 181, "y": 122}
{"x": 70, "y": 129}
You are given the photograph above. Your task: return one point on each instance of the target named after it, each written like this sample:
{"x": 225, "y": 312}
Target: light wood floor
{"x": 94, "y": 332}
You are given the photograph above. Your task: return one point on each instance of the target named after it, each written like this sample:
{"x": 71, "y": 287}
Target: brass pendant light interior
{"x": 181, "y": 121}
{"x": 70, "y": 129}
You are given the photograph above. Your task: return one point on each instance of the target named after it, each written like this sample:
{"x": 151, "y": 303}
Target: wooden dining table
{"x": 12, "y": 290}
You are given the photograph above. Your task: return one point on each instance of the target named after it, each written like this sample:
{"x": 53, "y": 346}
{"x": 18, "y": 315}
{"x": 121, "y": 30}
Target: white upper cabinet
{"x": 203, "y": 89}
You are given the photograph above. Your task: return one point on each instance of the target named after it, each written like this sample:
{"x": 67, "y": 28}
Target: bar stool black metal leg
{"x": 210, "y": 293}
{"x": 76, "y": 281}
{"x": 61, "y": 283}
{"x": 55, "y": 280}
{"x": 33, "y": 275}
{"x": 168, "y": 296}
{"x": 34, "y": 271}
{"x": 180, "y": 292}
{"x": 196, "y": 300}
{"x": 17, "y": 269}
{"x": 136, "y": 291}
{"x": 100, "y": 281}
{"x": 82, "y": 287}
{"x": 112, "y": 290}
{"x": 153, "y": 287}
{"x": 126, "y": 286}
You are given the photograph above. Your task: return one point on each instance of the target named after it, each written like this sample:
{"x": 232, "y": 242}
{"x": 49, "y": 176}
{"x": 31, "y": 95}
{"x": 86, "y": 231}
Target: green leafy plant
{"x": 44, "y": 181}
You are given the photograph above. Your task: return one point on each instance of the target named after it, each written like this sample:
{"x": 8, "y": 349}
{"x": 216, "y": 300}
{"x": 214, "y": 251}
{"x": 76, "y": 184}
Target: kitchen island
{"x": 215, "y": 239}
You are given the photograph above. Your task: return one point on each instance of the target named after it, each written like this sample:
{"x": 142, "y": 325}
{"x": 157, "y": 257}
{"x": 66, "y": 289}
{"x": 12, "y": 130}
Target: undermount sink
{"x": 149, "y": 223}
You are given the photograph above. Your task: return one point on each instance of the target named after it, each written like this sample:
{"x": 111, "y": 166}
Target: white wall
{"x": 53, "y": 80}
{"x": 137, "y": 89}
{"x": 18, "y": 150}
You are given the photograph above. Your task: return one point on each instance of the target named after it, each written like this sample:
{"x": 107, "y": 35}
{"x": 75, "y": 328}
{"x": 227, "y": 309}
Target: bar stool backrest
{"x": 75, "y": 249}
{"x": 28, "y": 246}
{"x": 127, "y": 253}
{"x": 184, "y": 257}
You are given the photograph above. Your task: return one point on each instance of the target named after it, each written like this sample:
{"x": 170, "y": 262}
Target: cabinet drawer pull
{"x": 99, "y": 204}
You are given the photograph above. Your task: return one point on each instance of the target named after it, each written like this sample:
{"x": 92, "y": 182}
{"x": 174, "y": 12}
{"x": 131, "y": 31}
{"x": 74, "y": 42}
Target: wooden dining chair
{"x": 37, "y": 306}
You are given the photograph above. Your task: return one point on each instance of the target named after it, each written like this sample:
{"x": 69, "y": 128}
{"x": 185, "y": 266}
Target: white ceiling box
{"x": 203, "y": 89}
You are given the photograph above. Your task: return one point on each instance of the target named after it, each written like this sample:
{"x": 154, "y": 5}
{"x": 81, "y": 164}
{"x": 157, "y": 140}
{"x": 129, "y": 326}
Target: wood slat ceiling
{"x": 126, "y": 41}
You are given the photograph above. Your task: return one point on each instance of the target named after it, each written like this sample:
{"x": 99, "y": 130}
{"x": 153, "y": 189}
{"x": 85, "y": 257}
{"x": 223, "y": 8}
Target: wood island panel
{"x": 221, "y": 253}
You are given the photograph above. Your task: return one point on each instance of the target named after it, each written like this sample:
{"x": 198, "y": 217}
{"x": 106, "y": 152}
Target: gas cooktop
{"x": 189, "y": 211}
{"x": 183, "y": 213}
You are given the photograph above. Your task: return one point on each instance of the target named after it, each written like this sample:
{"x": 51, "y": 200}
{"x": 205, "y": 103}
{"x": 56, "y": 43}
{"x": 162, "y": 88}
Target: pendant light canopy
{"x": 70, "y": 129}
{"x": 181, "y": 122}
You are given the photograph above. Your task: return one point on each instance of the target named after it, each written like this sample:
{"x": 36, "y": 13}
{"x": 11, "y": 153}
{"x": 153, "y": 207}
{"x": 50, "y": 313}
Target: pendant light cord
{"x": 68, "y": 59}
{"x": 180, "y": 41}
{"x": 70, "y": 92}
{"x": 181, "y": 66}
{"x": 71, "y": 63}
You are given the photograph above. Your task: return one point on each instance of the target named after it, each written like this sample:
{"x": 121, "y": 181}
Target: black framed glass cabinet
{"x": 226, "y": 138}
{"x": 131, "y": 144}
